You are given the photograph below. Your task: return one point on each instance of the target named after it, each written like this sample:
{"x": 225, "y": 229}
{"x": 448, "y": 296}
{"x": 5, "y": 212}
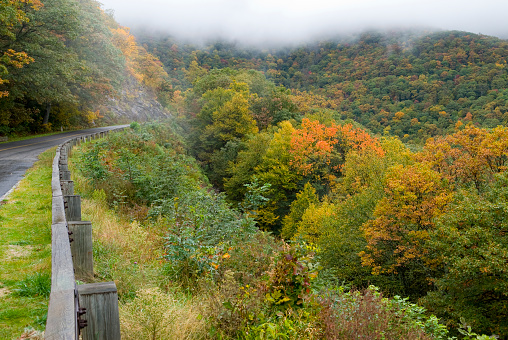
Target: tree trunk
{"x": 46, "y": 115}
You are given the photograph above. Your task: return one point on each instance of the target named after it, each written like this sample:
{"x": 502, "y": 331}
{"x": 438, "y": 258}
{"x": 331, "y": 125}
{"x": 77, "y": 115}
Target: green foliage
{"x": 135, "y": 126}
{"x": 368, "y": 314}
{"x": 468, "y": 334}
{"x": 471, "y": 242}
{"x": 202, "y": 229}
{"x": 254, "y": 196}
{"x": 291, "y": 275}
{"x": 241, "y": 171}
{"x": 298, "y": 207}
{"x": 143, "y": 166}
{"x": 299, "y": 324}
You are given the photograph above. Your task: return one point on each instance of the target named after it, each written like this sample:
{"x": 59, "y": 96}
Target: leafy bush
{"x": 291, "y": 275}
{"x": 202, "y": 229}
{"x": 142, "y": 166}
{"x": 367, "y": 315}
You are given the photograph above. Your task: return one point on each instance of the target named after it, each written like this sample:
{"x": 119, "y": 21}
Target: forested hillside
{"x": 333, "y": 141}
{"x": 408, "y": 84}
{"x": 63, "y": 62}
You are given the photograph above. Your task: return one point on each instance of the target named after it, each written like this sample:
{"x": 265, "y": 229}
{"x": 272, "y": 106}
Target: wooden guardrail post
{"x": 65, "y": 318}
{"x": 73, "y": 208}
{"x": 64, "y": 167}
{"x": 82, "y": 248}
{"x": 101, "y": 303}
{"x": 65, "y": 175}
{"x": 67, "y": 187}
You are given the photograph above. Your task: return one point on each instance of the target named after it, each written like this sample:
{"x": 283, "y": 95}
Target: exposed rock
{"x": 136, "y": 102}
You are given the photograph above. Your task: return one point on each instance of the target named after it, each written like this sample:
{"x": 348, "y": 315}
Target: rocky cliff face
{"x": 136, "y": 103}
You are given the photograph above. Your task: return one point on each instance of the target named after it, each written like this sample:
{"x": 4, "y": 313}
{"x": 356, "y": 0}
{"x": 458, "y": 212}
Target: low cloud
{"x": 292, "y": 21}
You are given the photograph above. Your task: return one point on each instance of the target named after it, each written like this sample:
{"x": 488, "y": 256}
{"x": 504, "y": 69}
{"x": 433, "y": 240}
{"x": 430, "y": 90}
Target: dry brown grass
{"x": 138, "y": 243}
{"x": 156, "y": 315}
{"x": 124, "y": 251}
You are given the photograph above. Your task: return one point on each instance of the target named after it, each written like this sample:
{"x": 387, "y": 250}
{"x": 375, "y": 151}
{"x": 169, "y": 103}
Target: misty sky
{"x": 277, "y": 21}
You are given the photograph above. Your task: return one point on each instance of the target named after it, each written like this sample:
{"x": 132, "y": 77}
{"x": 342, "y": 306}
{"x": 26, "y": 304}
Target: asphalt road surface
{"x": 17, "y": 157}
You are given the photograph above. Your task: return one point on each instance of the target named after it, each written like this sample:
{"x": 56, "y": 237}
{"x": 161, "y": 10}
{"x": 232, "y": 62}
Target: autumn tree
{"x": 14, "y": 14}
{"x": 44, "y": 37}
{"x": 143, "y": 66}
{"x": 469, "y": 157}
{"x": 319, "y": 151}
{"x": 404, "y": 218}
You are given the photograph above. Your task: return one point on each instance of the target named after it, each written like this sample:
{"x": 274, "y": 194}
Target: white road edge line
{"x": 6, "y": 196}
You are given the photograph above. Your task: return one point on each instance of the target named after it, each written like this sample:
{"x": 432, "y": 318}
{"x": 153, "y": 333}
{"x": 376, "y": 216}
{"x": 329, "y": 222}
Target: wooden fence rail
{"x": 72, "y": 309}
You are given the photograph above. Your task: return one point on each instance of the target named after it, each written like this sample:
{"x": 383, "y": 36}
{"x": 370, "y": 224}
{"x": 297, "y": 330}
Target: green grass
{"x": 25, "y": 251}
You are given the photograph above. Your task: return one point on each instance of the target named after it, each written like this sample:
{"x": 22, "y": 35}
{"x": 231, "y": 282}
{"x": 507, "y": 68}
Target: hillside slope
{"x": 410, "y": 84}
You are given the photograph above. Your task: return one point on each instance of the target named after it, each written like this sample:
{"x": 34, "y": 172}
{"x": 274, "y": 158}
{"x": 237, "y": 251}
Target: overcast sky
{"x": 258, "y": 21}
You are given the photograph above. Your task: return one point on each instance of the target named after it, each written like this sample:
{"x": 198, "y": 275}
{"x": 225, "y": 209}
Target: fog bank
{"x": 294, "y": 21}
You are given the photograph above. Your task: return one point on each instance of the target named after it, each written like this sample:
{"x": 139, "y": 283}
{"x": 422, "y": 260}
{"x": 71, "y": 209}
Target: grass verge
{"x": 25, "y": 251}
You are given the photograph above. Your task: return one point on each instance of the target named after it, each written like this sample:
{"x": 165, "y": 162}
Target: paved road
{"x": 17, "y": 157}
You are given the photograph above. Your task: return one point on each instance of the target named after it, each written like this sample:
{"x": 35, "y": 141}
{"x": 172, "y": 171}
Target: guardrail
{"x": 89, "y": 309}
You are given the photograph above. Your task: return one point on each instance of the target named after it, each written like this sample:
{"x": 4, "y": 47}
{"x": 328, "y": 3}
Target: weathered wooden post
{"x": 101, "y": 303}
{"x": 64, "y": 166}
{"x": 82, "y": 248}
{"x": 67, "y": 187}
{"x": 73, "y": 208}
{"x": 65, "y": 175}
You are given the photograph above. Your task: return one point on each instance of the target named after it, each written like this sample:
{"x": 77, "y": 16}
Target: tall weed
{"x": 156, "y": 315}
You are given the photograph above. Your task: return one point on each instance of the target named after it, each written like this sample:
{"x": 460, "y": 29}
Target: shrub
{"x": 202, "y": 229}
{"x": 367, "y": 315}
{"x": 291, "y": 275}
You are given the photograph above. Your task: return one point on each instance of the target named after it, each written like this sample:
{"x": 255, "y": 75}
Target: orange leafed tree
{"x": 470, "y": 156}
{"x": 319, "y": 150}
{"x": 312, "y": 146}
{"x": 145, "y": 67}
{"x": 414, "y": 196}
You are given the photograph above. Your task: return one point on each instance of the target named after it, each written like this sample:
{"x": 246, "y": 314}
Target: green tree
{"x": 471, "y": 242}
{"x": 224, "y": 117}
{"x": 241, "y": 171}
{"x": 303, "y": 201}
{"x": 44, "y": 37}
{"x": 276, "y": 169}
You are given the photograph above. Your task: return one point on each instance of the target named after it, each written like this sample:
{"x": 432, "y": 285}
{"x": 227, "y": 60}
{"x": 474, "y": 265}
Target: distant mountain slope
{"x": 408, "y": 84}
